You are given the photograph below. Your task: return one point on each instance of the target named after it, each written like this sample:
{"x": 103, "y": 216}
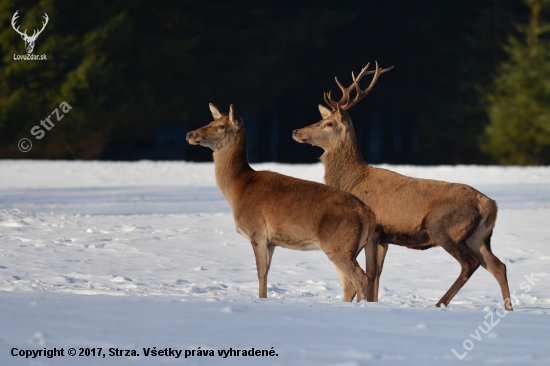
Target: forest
{"x": 470, "y": 84}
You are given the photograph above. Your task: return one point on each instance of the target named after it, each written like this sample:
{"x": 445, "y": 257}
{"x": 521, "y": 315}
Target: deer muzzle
{"x": 298, "y": 136}
{"x": 192, "y": 138}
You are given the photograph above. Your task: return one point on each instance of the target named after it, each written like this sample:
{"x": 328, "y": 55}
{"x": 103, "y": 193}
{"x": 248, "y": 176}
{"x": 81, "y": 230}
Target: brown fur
{"x": 415, "y": 213}
{"x": 272, "y": 210}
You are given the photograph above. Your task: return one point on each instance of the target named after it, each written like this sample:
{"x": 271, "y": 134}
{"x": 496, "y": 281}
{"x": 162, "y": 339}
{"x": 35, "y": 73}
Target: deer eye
{"x": 221, "y": 127}
{"x": 329, "y": 124}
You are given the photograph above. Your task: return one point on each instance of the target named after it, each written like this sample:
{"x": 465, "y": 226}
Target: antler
{"x": 43, "y": 26}
{"x": 13, "y": 19}
{"x": 345, "y": 103}
{"x": 35, "y": 32}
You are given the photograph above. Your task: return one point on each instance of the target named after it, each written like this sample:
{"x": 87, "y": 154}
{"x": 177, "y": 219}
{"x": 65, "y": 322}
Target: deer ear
{"x": 325, "y": 112}
{"x": 215, "y": 111}
{"x": 234, "y": 117}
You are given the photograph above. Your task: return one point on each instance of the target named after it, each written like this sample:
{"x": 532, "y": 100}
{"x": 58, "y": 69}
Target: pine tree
{"x": 518, "y": 102}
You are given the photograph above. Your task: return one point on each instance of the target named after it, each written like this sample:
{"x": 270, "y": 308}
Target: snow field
{"x": 137, "y": 255}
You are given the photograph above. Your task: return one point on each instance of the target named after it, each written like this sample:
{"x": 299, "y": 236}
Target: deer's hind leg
{"x": 481, "y": 247}
{"x": 263, "y": 253}
{"x": 446, "y": 229}
{"x": 347, "y": 286}
{"x": 459, "y": 250}
{"x": 469, "y": 264}
{"x": 351, "y": 269}
{"x": 342, "y": 249}
{"x": 349, "y": 289}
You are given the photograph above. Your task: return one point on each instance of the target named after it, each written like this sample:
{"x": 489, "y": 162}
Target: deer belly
{"x": 418, "y": 238}
{"x": 290, "y": 242}
{"x": 311, "y": 245}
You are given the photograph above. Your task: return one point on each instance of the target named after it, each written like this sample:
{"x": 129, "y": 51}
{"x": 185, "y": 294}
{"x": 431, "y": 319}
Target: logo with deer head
{"x": 29, "y": 40}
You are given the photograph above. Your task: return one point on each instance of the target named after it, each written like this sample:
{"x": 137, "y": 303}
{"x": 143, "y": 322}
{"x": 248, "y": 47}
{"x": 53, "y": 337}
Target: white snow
{"x": 145, "y": 254}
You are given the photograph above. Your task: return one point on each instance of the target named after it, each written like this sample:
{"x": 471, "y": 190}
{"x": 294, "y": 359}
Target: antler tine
{"x": 345, "y": 102}
{"x": 46, "y": 18}
{"x": 345, "y": 95}
{"x": 360, "y": 94}
{"x": 341, "y": 88}
{"x": 328, "y": 99}
{"x": 374, "y": 79}
{"x": 362, "y": 73}
{"x": 378, "y": 72}
{"x": 13, "y": 19}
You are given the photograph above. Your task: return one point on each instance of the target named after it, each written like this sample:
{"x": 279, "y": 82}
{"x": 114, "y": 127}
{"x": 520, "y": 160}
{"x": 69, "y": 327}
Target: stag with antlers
{"x": 29, "y": 40}
{"x": 415, "y": 213}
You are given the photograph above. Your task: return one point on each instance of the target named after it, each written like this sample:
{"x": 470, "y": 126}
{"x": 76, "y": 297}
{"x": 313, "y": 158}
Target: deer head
{"x": 336, "y": 126}
{"x": 219, "y": 133}
{"x": 29, "y": 40}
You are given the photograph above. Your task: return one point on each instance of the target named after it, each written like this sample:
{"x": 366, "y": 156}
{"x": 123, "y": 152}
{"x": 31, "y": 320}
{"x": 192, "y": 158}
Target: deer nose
{"x": 189, "y": 135}
{"x": 295, "y": 133}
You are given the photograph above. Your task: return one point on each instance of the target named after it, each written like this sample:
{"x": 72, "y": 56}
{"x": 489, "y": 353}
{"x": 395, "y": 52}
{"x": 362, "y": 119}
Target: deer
{"x": 412, "y": 212}
{"x": 271, "y": 209}
{"x": 29, "y": 40}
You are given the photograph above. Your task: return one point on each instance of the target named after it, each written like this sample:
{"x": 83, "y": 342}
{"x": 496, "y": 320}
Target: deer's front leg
{"x": 382, "y": 250}
{"x": 371, "y": 252}
{"x": 263, "y": 259}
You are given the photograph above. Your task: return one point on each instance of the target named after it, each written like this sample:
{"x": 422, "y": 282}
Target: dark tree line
{"x": 141, "y": 73}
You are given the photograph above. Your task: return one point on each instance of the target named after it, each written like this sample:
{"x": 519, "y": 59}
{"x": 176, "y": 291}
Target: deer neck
{"x": 231, "y": 165}
{"x": 344, "y": 165}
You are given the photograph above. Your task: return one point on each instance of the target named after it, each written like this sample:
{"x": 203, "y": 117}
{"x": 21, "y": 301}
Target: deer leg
{"x": 371, "y": 254}
{"x": 469, "y": 264}
{"x": 482, "y": 251}
{"x": 342, "y": 249}
{"x": 349, "y": 289}
{"x": 263, "y": 259}
{"x": 351, "y": 269}
{"x": 347, "y": 285}
{"x": 270, "y": 250}
{"x": 380, "y": 256}
{"x": 382, "y": 250}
